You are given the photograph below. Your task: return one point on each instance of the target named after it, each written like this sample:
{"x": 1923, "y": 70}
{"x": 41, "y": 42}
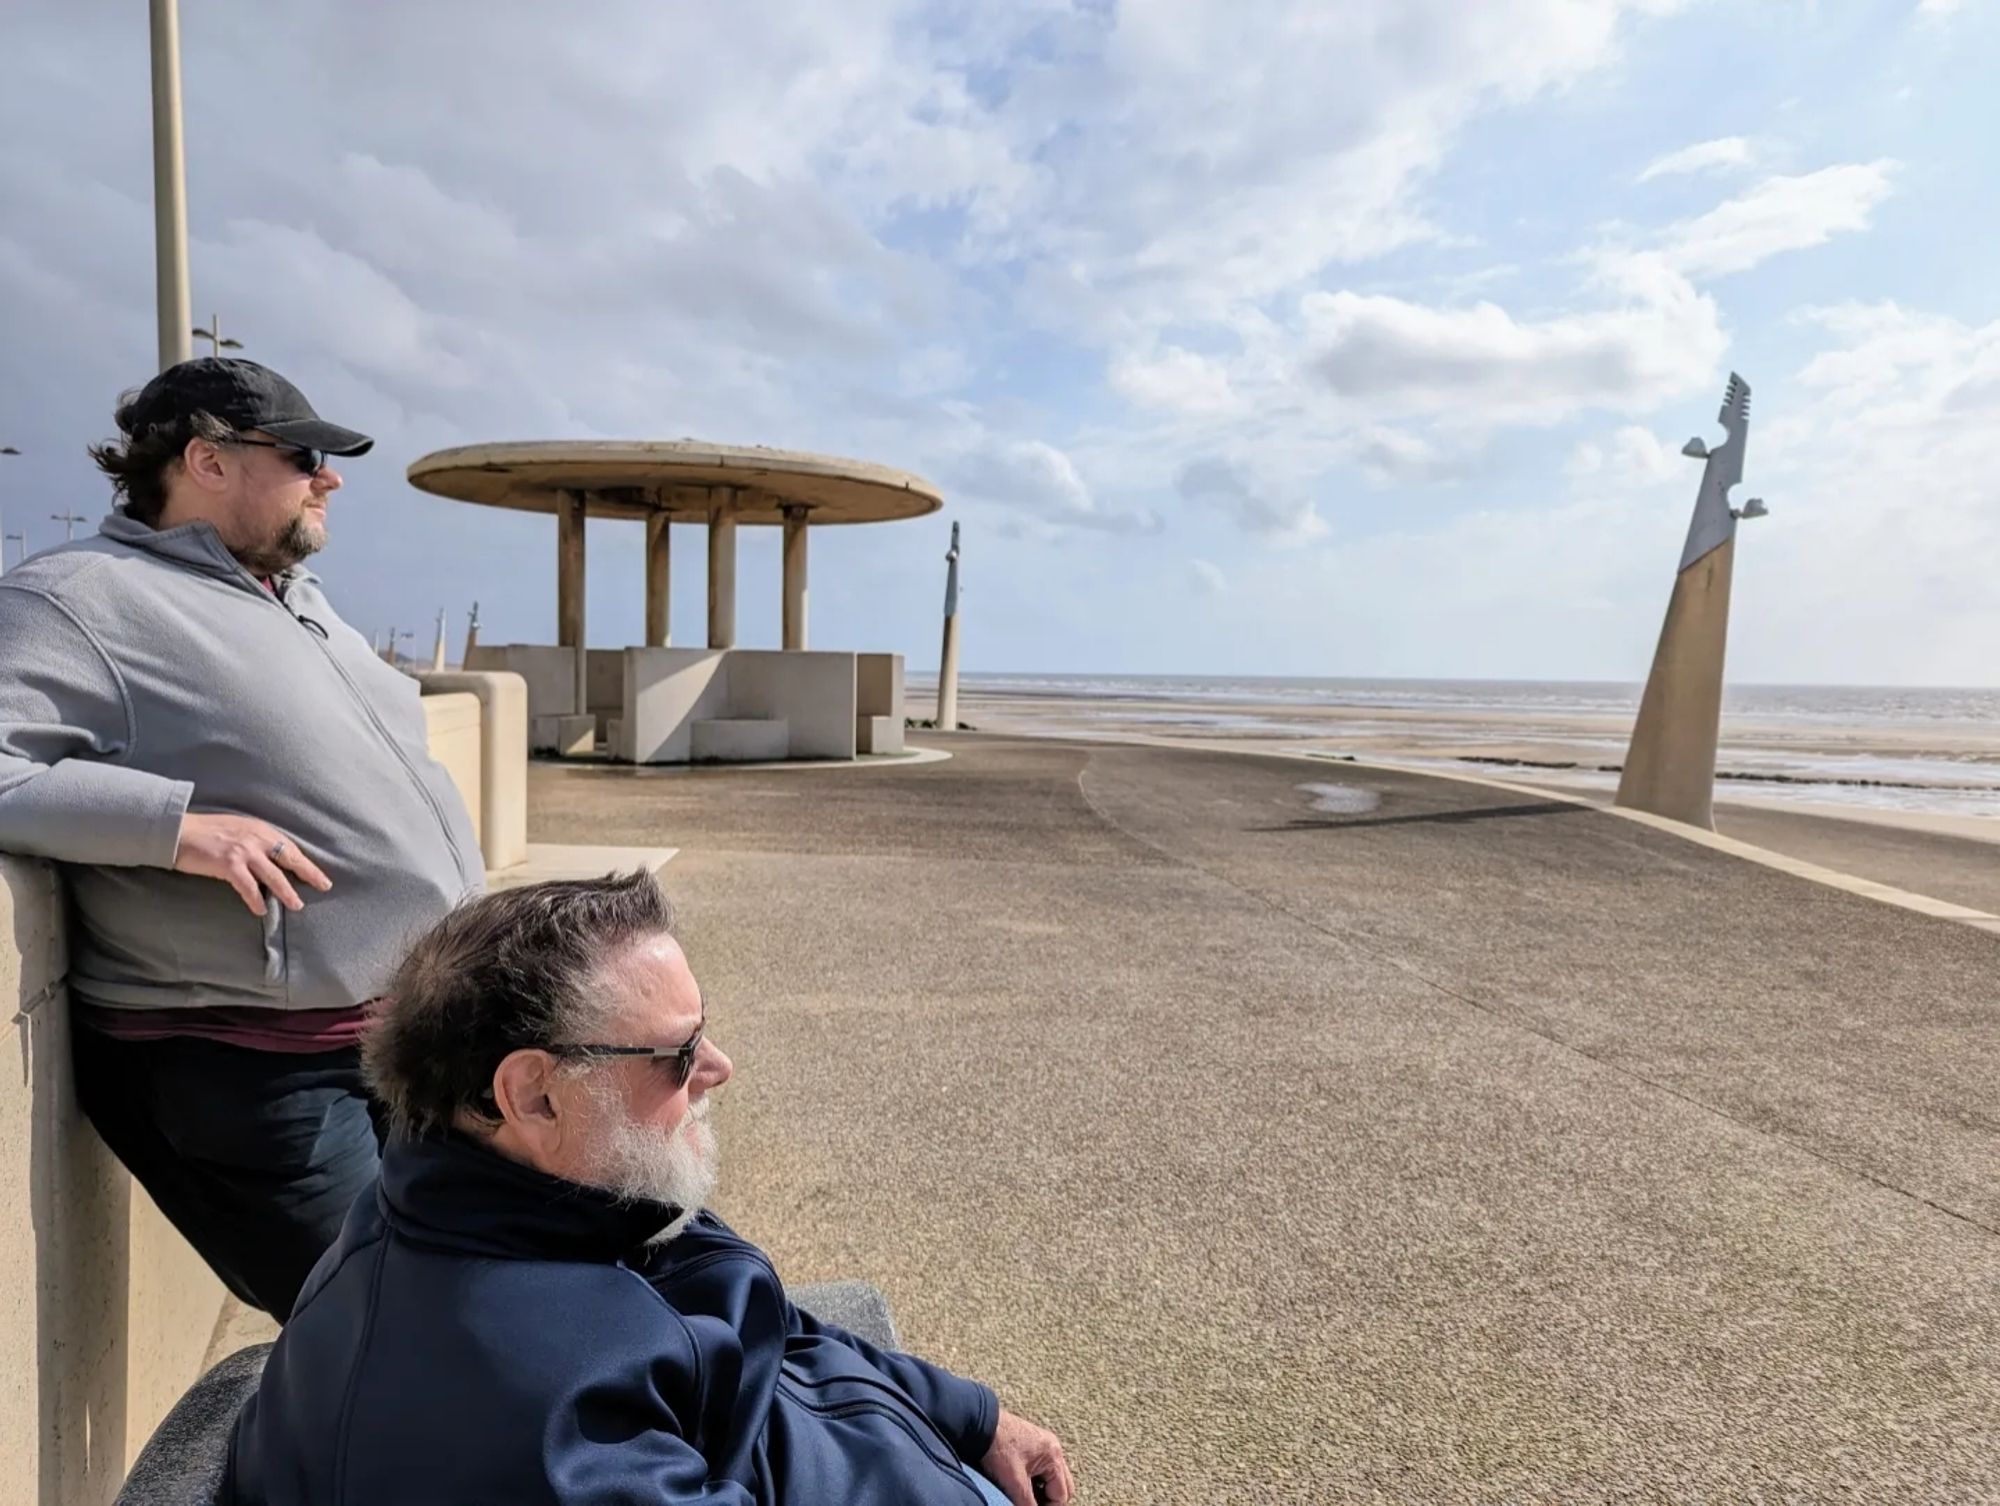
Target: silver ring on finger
{"x": 278, "y": 850}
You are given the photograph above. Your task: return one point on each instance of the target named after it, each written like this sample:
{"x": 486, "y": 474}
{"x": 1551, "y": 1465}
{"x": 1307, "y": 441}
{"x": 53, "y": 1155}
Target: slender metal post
{"x": 947, "y": 702}
{"x": 169, "y": 188}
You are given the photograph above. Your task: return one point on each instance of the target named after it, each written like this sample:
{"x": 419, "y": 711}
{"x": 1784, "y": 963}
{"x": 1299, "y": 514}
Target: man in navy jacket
{"x": 533, "y": 1307}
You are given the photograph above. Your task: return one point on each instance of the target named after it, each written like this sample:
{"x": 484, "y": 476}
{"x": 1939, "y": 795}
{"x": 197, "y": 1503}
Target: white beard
{"x": 642, "y": 1163}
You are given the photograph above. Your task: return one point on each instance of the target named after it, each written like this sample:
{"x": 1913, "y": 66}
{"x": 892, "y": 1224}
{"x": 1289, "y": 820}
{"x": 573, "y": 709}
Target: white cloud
{"x": 1208, "y": 578}
{"x": 1701, "y": 157}
{"x": 1035, "y": 477}
{"x": 1256, "y": 501}
{"x": 1396, "y": 457}
{"x": 1777, "y": 215}
{"x": 1882, "y": 471}
{"x": 1937, "y": 10}
{"x": 1175, "y": 379}
{"x": 1629, "y": 456}
{"x": 1482, "y": 364}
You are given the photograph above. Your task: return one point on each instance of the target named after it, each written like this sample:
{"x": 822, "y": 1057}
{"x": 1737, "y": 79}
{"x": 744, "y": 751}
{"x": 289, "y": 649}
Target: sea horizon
{"x": 1931, "y": 749}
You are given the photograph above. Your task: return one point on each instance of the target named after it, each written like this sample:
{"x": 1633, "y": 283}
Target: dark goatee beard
{"x": 294, "y": 542}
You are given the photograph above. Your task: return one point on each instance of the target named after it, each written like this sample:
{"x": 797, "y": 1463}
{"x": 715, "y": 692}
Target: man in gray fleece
{"x": 240, "y": 796}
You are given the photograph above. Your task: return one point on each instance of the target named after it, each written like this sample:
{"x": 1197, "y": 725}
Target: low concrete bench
{"x": 184, "y": 1461}
{"x": 739, "y": 739}
{"x": 878, "y": 734}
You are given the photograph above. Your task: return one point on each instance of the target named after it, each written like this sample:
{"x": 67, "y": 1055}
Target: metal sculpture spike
{"x": 1714, "y": 522}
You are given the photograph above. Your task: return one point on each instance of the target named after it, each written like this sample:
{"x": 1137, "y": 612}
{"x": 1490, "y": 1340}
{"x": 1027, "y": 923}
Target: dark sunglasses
{"x": 682, "y": 1056}
{"x": 305, "y": 457}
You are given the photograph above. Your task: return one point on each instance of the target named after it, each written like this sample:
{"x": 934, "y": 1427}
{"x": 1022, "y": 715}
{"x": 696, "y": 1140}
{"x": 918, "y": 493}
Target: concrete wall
{"x": 107, "y": 1314}
{"x": 604, "y": 679}
{"x": 813, "y": 692}
{"x": 654, "y": 695}
{"x": 878, "y": 685}
{"x": 667, "y": 690}
{"x": 550, "y": 673}
{"x": 454, "y": 732}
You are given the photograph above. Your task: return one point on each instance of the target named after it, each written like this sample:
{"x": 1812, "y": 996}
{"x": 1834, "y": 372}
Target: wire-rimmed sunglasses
{"x": 309, "y": 460}
{"x": 682, "y": 1056}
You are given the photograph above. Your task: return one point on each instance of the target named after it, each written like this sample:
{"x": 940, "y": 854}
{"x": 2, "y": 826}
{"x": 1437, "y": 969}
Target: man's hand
{"x": 238, "y": 850}
{"x": 1024, "y": 1456}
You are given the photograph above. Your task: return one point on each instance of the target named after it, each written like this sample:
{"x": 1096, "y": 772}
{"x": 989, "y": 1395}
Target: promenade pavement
{"x": 1388, "y": 1140}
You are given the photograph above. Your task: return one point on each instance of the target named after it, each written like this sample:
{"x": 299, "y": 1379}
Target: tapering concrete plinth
{"x": 1670, "y": 765}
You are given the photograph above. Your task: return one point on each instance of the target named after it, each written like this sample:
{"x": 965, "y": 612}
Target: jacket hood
{"x": 456, "y": 1195}
{"x": 196, "y": 545}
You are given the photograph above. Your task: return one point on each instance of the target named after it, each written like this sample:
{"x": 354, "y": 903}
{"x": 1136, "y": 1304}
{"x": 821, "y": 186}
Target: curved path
{"x": 1399, "y": 1141}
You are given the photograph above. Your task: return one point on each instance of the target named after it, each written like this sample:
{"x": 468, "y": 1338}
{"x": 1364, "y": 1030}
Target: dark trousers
{"x": 254, "y": 1156}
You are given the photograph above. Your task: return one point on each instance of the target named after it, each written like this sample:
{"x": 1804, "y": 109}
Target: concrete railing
{"x": 106, "y": 1314}
{"x": 488, "y": 759}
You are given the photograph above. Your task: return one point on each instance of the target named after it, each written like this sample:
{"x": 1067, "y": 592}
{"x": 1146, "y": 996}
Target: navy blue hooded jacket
{"x": 483, "y": 1333}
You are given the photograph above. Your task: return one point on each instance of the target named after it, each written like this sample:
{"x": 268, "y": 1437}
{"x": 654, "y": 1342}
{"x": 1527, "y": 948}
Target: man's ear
{"x": 203, "y": 465}
{"x": 521, "y": 1085}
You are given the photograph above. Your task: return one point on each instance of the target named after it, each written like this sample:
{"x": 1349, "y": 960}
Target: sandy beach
{"x": 1938, "y": 776}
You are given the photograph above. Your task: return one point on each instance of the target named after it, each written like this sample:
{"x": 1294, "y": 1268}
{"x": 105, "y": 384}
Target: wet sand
{"x": 1943, "y": 778}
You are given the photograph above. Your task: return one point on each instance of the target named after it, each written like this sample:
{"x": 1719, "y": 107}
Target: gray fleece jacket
{"x": 145, "y": 674}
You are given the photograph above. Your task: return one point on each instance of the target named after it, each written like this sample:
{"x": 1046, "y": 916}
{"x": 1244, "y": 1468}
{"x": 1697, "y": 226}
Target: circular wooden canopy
{"x": 682, "y": 478}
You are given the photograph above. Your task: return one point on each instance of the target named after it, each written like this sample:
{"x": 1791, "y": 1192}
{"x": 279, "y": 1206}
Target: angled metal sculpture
{"x": 947, "y": 703}
{"x": 1670, "y": 765}
{"x": 471, "y": 637}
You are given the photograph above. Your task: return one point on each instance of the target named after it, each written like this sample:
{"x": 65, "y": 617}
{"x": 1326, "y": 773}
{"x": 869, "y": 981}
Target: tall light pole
{"x": 69, "y": 520}
{"x": 7, "y": 449}
{"x": 169, "y": 188}
{"x": 213, "y": 334}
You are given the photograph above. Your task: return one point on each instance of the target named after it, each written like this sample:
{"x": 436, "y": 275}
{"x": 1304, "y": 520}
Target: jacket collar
{"x": 455, "y": 1194}
{"x": 196, "y": 545}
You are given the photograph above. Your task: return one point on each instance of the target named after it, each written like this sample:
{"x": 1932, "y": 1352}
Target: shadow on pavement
{"x": 1441, "y": 818}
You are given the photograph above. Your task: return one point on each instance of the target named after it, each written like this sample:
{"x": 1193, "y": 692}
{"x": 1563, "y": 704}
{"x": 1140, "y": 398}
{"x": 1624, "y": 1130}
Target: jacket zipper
{"x": 437, "y": 811}
{"x": 956, "y": 1470}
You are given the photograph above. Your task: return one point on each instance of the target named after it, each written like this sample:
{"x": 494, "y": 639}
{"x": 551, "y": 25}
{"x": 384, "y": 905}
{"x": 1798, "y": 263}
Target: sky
{"x": 1241, "y": 336}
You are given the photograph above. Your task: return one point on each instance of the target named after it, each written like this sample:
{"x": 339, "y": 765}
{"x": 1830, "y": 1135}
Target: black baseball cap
{"x": 243, "y": 395}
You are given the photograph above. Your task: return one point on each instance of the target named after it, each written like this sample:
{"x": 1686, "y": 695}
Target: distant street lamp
{"x": 213, "y": 334}
{"x": 69, "y": 520}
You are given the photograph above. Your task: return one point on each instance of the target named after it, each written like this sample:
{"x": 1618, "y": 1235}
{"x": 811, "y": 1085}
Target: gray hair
{"x": 503, "y": 972}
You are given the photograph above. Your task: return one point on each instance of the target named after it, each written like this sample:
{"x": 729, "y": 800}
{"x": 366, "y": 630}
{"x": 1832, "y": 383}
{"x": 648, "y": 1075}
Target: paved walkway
{"x": 1443, "y": 1145}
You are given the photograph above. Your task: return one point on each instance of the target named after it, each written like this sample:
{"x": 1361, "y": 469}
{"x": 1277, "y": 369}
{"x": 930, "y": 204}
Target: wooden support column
{"x": 721, "y": 575}
{"x": 569, "y": 569}
{"x": 659, "y": 581}
{"x": 795, "y": 577}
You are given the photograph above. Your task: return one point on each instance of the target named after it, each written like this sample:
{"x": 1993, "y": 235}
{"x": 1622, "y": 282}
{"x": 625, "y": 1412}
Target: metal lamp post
{"x": 7, "y": 449}
{"x": 213, "y": 334}
{"x": 169, "y": 188}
